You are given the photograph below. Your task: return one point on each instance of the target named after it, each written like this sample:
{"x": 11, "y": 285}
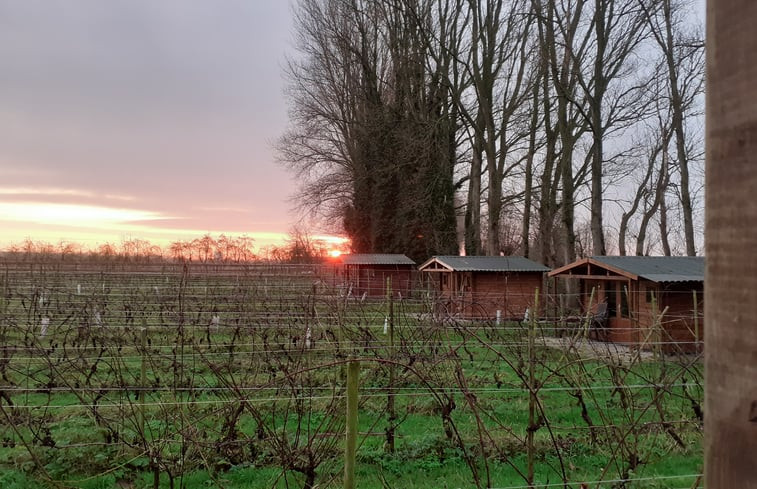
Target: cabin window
{"x": 445, "y": 280}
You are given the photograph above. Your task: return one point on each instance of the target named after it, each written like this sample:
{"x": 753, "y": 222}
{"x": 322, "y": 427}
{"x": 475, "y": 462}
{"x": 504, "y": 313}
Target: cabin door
{"x": 619, "y": 313}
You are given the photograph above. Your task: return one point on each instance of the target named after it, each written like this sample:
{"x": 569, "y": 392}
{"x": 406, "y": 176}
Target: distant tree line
{"x": 549, "y": 128}
{"x": 299, "y": 247}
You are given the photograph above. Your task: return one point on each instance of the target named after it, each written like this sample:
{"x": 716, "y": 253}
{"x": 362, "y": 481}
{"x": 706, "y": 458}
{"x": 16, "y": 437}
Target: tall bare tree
{"x": 373, "y": 131}
{"x": 618, "y": 28}
{"x": 682, "y": 48}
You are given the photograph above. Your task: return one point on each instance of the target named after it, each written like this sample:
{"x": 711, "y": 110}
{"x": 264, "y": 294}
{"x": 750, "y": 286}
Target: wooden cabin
{"x": 366, "y": 274}
{"x": 637, "y": 290}
{"x": 485, "y": 287}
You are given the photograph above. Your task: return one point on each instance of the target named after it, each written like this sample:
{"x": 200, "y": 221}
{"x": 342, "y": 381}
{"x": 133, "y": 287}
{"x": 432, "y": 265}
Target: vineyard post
{"x": 340, "y": 339}
{"x": 2, "y": 292}
{"x": 696, "y": 322}
{"x": 390, "y": 395}
{"x": 588, "y": 322}
{"x": 656, "y": 324}
{"x": 350, "y": 446}
{"x": 142, "y": 380}
{"x": 309, "y": 320}
{"x": 532, "y": 388}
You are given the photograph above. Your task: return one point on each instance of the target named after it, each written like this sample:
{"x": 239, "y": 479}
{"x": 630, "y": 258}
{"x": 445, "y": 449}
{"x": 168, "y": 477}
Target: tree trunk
{"x": 494, "y": 205}
{"x": 473, "y": 208}
{"x": 525, "y": 236}
{"x": 600, "y": 85}
{"x": 641, "y": 190}
{"x": 658, "y": 203}
{"x": 676, "y": 104}
{"x": 547, "y": 191}
{"x": 664, "y": 226}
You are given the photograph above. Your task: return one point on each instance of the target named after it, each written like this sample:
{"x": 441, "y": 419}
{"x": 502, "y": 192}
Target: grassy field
{"x": 234, "y": 378}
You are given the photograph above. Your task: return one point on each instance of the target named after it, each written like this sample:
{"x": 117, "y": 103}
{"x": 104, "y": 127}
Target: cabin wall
{"x": 679, "y": 322}
{"x": 511, "y": 293}
{"x": 479, "y": 295}
{"x": 371, "y": 280}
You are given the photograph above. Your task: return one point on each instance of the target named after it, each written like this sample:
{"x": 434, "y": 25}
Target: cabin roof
{"x": 376, "y": 259}
{"x": 452, "y": 263}
{"x": 653, "y": 268}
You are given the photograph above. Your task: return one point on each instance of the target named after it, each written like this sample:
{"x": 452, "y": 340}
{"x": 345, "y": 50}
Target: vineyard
{"x": 172, "y": 376}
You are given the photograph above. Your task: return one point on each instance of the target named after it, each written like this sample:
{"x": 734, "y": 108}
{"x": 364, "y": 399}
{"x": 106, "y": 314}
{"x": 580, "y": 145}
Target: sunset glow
{"x": 58, "y": 192}
{"x": 92, "y": 225}
{"x": 72, "y": 214}
{"x": 334, "y": 240}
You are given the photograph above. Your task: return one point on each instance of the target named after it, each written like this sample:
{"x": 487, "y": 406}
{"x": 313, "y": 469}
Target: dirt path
{"x": 599, "y": 349}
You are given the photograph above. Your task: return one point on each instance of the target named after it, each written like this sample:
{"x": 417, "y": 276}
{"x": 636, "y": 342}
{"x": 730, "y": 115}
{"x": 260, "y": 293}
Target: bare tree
{"x": 682, "y": 49}
{"x": 499, "y": 65}
{"x": 618, "y": 29}
{"x": 373, "y": 130}
{"x": 565, "y": 39}
{"x": 663, "y": 179}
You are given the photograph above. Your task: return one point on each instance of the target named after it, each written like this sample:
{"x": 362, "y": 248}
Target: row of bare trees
{"x": 546, "y": 127}
{"x": 300, "y": 247}
{"x": 206, "y": 248}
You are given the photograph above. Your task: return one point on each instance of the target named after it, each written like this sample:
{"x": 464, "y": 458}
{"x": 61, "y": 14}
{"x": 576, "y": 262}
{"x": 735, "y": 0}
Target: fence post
{"x": 392, "y": 415}
{"x": 586, "y": 330}
{"x": 350, "y": 446}
{"x": 532, "y": 389}
{"x": 142, "y": 380}
{"x": 3, "y": 291}
{"x": 696, "y": 322}
{"x": 656, "y": 325}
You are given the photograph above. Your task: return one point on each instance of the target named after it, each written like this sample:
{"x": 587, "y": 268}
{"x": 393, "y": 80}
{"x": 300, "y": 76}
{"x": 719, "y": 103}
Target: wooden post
{"x": 730, "y": 243}
{"x": 589, "y": 314}
{"x": 350, "y": 446}
{"x": 3, "y": 292}
{"x": 656, "y": 321}
{"x": 531, "y": 431}
{"x": 696, "y": 322}
{"x": 143, "y": 380}
{"x": 392, "y": 415}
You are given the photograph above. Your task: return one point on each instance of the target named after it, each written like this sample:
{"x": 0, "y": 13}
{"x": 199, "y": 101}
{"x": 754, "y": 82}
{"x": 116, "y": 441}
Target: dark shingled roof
{"x": 487, "y": 264}
{"x": 376, "y": 259}
{"x": 658, "y": 268}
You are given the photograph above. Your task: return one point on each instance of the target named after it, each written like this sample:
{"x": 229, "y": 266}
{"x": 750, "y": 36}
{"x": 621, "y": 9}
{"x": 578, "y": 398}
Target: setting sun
{"x": 335, "y": 253}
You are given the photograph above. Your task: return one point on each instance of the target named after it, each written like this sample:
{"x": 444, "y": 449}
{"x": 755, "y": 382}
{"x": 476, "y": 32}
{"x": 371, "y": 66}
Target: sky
{"x": 125, "y": 119}
{"x": 148, "y": 119}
